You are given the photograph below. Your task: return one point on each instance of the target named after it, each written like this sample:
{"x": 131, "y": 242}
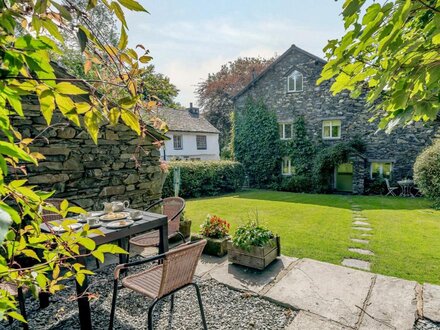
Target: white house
{"x": 192, "y": 137}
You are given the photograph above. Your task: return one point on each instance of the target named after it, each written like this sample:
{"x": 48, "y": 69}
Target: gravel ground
{"x": 423, "y": 324}
{"x": 224, "y": 309}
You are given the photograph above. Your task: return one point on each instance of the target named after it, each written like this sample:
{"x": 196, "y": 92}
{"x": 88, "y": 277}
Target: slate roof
{"x": 282, "y": 56}
{"x": 185, "y": 121}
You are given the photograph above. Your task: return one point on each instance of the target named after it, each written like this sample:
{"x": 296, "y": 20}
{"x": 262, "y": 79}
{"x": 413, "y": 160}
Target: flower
{"x": 214, "y": 227}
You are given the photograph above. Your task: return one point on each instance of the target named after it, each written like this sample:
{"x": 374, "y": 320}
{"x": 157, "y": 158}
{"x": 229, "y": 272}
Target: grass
{"x": 405, "y": 236}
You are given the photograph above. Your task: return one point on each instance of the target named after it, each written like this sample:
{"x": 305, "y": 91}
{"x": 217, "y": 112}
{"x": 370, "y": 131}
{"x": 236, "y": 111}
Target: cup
{"x": 91, "y": 221}
{"x": 135, "y": 214}
{"x": 83, "y": 216}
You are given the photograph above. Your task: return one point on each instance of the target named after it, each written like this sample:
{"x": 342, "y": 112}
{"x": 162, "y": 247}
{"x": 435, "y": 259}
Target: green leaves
{"x": 69, "y": 89}
{"x": 132, "y": 5}
{"x": 82, "y": 38}
{"x": 131, "y": 120}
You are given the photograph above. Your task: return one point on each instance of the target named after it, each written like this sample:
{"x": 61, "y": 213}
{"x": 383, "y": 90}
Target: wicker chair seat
{"x": 146, "y": 240}
{"x": 9, "y": 288}
{"x": 146, "y": 282}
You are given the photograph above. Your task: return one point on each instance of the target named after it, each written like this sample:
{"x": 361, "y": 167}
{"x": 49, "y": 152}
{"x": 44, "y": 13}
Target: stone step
{"x": 356, "y": 263}
{"x": 361, "y": 223}
{"x": 357, "y": 240}
{"x": 361, "y": 251}
{"x": 362, "y": 228}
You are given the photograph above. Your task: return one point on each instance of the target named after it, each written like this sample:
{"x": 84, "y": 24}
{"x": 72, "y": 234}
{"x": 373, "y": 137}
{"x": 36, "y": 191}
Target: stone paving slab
{"x": 392, "y": 305}
{"x": 310, "y": 321}
{"x": 244, "y": 278}
{"x": 362, "y": 228}
{"x": 431, "y": 302}
{"x": 361, "y": 223}
{"x": 207, "y": 263}
{"x": 357, "y": 240}
{"x": 324, "y": 289}
{"x": 361, "y": 251}
{"x": 356, "y": 263}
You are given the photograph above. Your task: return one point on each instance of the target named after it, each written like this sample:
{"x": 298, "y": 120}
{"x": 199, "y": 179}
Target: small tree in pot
{"x": 215, "y": 230}
{"x": 253, "y": 246}
{"x": 185, "y": 225}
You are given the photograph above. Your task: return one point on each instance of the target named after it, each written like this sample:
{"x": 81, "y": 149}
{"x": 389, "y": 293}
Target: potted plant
{"x": 185, "y": 225}
{"x": 253, "y": 246}
{"x": 215, "y": 230}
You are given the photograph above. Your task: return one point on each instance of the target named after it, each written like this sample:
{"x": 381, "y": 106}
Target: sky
{"x": 188, "y": 39}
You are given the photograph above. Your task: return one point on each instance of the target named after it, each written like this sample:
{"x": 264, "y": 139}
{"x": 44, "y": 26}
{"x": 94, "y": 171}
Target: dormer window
{"x": 295, "y": 82}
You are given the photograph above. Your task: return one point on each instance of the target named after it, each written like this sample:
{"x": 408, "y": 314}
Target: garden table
{"x": 406, "y": 186}
{"x": 149, "y": 221}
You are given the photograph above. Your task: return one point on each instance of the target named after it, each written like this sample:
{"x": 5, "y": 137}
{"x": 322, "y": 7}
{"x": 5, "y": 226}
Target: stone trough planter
{"x": 185, "y": 228}
{"x": 217, "y": 247}
{"x": 257, "y": 257}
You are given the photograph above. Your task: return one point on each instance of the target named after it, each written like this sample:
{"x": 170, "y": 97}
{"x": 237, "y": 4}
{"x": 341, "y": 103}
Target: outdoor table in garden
{"x": 149, "y": 221}
{"x": 406, "y": 186}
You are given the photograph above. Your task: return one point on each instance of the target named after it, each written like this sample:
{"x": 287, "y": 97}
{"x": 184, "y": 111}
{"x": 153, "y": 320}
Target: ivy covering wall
{"x": 256, "y": 143}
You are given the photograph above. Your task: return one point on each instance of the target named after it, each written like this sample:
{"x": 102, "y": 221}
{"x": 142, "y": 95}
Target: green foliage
{"x": 256, "y": 143}
{"x": 427, "y": 173}
{"x": 300, "y": 148}
{"x": 29, "y": 40}
{"x": 214, "y": 227}
{"x": 389, "y": 52}
{"x": 251, "y": 234}
{"x": 376, "y": 186}
{"x": 205, "y": 178}
{"x": 297, "y": 183}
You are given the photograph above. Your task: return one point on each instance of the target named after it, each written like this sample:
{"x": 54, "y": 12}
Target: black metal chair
{"x": 173, "y": 272}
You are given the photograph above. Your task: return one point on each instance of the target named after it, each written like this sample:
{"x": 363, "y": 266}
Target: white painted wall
{"x": 189, "y": 149}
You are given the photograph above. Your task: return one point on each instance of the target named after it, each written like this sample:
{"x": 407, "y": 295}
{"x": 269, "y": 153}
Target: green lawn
{"x": 406, "y": 231}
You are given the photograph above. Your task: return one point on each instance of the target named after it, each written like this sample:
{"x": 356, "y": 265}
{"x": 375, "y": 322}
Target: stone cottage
{"x": 288, "y": 87}
{"x": 122, "y": 166}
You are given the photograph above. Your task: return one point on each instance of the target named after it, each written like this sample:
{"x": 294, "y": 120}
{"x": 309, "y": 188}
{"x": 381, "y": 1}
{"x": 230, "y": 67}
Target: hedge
{"x": 427, "y": 173}
{"x": 205, "y": 178}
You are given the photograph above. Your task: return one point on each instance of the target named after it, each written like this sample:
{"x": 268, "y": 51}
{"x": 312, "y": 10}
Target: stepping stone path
{"x": 360, "y": 223}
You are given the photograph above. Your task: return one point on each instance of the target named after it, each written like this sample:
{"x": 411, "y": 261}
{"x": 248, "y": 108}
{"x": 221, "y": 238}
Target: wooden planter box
{"x": 214, "y": 246}
{"x": 257, "y": 257}
{"x": 185, "y": 228}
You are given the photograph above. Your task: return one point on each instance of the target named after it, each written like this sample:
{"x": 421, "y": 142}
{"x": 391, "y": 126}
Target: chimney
{"x": 193, "y": 111}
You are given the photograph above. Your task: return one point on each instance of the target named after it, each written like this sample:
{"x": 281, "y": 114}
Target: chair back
{"x": 387, "y": 183}
{"x": 52, "y": 216}
{"x": 173, "y": 208}
{"x": 179, "y": 266}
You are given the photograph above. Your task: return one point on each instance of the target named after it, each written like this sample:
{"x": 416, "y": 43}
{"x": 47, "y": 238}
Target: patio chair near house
{"x": 390, "y": 188}
{"x": 174, "y": 271}
{"x": 172, "y": 208}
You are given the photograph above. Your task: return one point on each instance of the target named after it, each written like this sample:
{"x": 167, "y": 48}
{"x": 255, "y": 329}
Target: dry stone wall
{"x": 90, "y": 174}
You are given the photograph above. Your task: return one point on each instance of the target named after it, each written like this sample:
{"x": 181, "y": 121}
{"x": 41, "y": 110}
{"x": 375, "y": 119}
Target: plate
{"x": 91, "y": 214}
{"x": 119, "y": 224}
{"x": 112, "y": 216}
{"x": 137, "y": 218}
{"x": 60, "y": 229}
{"x": 96, "y": 225}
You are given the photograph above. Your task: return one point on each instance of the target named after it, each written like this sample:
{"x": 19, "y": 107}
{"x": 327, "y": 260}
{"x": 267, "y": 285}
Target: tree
{"x": 215, "y": 93}
{"x": 390, "y": 52}
{"x": 427, "y": 173}
{"x": 26, "y": 69}
{"x": 256, "y": 143}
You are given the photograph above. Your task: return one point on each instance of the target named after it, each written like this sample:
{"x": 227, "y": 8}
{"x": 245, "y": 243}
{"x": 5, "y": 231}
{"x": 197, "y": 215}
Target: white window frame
{"x": 175, "y": 137}
{"x": 197, "y": 142}
{"x": 332, "y": 123}
{"x": 289, "y": 166}
{"x": 283, "y": 130}
{"x": 381, "y": 168}
{"x": 295, "y": 75}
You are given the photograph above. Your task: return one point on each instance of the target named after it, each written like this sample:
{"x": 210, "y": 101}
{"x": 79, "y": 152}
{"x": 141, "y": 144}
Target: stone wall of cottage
{"x": 316, "y": 103}
{"x": 89, "y": 174}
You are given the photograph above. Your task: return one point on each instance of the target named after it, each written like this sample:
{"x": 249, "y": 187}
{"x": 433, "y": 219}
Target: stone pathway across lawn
{"x": 360, "y": 224}
{"x": 331, "y": 297}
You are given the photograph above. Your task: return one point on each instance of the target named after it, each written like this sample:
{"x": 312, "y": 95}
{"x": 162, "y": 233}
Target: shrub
{"x": 376, "y": 186}
{"x": 214, "y": 227}
{"x": 297, "y": 183}
{"x": 256, "y": 143}
{"x": 251, "y": 234}
{"x": 205, "y": 178}
{"x": 427, "y": 172}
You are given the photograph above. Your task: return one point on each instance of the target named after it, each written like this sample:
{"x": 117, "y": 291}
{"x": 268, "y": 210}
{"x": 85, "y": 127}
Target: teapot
{"x": 115, "y": 206}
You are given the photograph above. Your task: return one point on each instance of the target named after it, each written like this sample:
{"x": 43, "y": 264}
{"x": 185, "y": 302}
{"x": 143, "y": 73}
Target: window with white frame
{"x": 201, "y": 142}
{"x": 381, "y": 170}
{"x": 285, "y": 130}
{"x": 286, "y": 166}
{"x": 177, "y": 142}
{"x": 295, "y": 82}
{"x": 331, "y": 129}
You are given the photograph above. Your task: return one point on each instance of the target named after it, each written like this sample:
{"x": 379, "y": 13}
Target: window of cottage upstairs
{"x": 295, "y": 82}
